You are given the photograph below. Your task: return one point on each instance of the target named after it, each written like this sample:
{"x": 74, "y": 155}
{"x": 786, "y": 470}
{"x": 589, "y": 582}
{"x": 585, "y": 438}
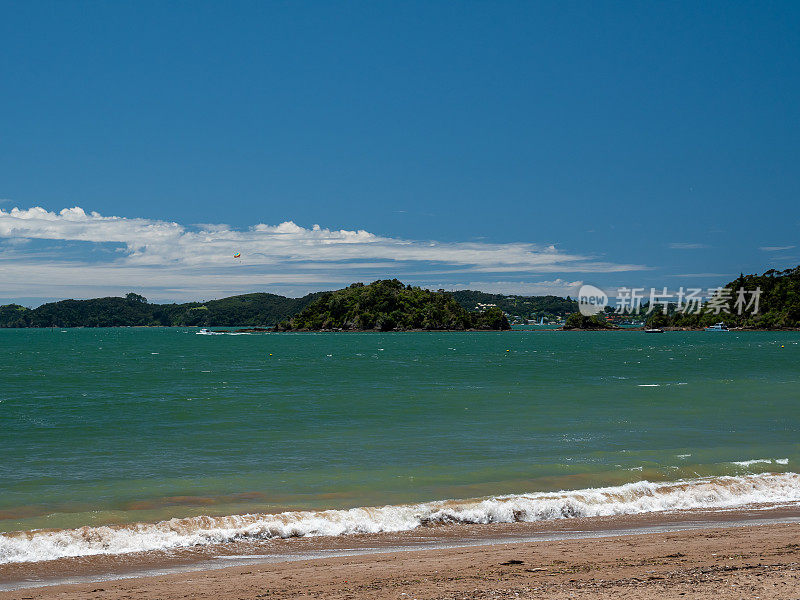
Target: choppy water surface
{"x": 114, "y": 426}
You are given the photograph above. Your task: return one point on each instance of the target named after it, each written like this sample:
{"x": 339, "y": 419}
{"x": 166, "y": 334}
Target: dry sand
{"x": 743, "y": 562}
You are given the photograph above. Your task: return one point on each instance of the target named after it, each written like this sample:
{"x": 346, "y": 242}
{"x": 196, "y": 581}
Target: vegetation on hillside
{"x": 778, "y": 304}
{"x": 527, "y": 307}
{"x": 14, "y": 315}
{"x": 388, "y": 305}
{"x": 134, "y": 310}
{"x": 579, "y": 321}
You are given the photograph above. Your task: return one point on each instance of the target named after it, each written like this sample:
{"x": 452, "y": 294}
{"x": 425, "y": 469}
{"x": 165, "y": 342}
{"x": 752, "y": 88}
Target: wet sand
{"x": 693, "y": 555}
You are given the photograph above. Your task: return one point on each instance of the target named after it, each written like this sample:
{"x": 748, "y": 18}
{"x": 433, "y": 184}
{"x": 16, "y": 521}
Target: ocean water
{"x": 123, "y": 440}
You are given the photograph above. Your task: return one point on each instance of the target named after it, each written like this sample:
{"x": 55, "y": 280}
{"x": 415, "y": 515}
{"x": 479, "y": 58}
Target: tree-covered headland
{"x": 778, "y": 304}
{"x": 135, "y": 311}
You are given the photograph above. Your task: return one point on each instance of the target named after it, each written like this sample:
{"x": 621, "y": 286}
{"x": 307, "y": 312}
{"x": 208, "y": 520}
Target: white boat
{"x": 654, "y": 330}
{"x": 718, "y": 327}
{"x": 205, "y": 331}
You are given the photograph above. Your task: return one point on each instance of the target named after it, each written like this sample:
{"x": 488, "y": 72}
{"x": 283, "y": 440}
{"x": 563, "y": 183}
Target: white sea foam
{"x": 631, "y": 498}
{"x": 765, "y": 461}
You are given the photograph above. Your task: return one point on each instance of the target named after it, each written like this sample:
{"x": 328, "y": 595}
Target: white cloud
{"x": 16, "y": 241}
{"x": 687, "y": 246}
{"x": 556, "y": 287}
{"x": 775, "y": 248}
{"x": 705, "y": 275}
{"x": 170, "y": 256}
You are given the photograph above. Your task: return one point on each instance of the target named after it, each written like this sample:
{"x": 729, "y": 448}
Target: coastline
{"x": 553, "y": 417}
{"x": 693, "y": 552}
{"x": 666, "y": 329}
{"x": 252, "y": 329}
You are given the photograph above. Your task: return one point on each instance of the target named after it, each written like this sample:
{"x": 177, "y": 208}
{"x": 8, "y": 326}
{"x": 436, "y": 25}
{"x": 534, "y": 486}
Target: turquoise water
{"x": 105, "y": 426}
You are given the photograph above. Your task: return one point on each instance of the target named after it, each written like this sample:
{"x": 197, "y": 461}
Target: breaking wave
{"x": 631, "y": 498}
{"x": 765, "y": 461}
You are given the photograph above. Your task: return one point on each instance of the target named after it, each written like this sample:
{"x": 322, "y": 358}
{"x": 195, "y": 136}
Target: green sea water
{"x": 102, "y": 426}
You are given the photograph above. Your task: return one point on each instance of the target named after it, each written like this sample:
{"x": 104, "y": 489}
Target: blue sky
{"x": 519, "y": 147}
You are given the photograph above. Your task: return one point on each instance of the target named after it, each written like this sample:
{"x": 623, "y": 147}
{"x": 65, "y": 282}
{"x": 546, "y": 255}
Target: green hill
{"x": 778, "y": 304}
{"x": 259, "y": 309}
{"x": 388, "y": 305}
{"x": 579, "y": 321}
{"x": 14, "y": 315}
{"x": 249, "y": 309}
{"x": 527, "y": 307}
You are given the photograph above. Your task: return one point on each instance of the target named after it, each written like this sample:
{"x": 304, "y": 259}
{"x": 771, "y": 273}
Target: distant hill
{"x": 248, "y": 309}
{"x": 388, "y": 305}
{"x": 526, "y": 307}
{"x": 259, "y": 309}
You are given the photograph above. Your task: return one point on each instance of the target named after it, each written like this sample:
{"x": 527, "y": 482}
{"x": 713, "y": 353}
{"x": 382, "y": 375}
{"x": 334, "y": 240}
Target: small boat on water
{"x": 205, "y": 331}
{"x": 718, "y": 327}
{"x": 654, "y": 330}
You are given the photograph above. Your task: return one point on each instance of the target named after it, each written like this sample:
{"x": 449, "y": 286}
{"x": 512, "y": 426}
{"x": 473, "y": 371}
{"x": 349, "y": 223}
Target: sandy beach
{"x": 720, "y": 560}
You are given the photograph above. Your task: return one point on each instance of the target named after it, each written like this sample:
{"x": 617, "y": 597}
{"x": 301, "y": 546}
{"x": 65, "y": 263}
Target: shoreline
{"x": 553, "y": 554}
{"x": 196, "y": 537}
{"x": 671, "y": 329}
{"x": 251, "y": 329}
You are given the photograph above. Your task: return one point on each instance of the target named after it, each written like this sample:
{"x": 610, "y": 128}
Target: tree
{"x": 579, "y": 321}
{"x": 131, "y": 297}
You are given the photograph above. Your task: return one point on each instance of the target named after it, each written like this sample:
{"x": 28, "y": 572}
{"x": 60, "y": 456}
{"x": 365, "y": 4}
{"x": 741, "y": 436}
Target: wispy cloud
{"x": 705, "y": 275}
{"x": 555, "y": 287}
{"x": 775, "y": 248}
{"x": 185, "y": 259}
{"x": 687, "y": 246}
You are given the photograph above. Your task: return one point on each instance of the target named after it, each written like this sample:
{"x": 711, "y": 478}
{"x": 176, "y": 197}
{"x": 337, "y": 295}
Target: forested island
{"x": 388, "y": 305}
